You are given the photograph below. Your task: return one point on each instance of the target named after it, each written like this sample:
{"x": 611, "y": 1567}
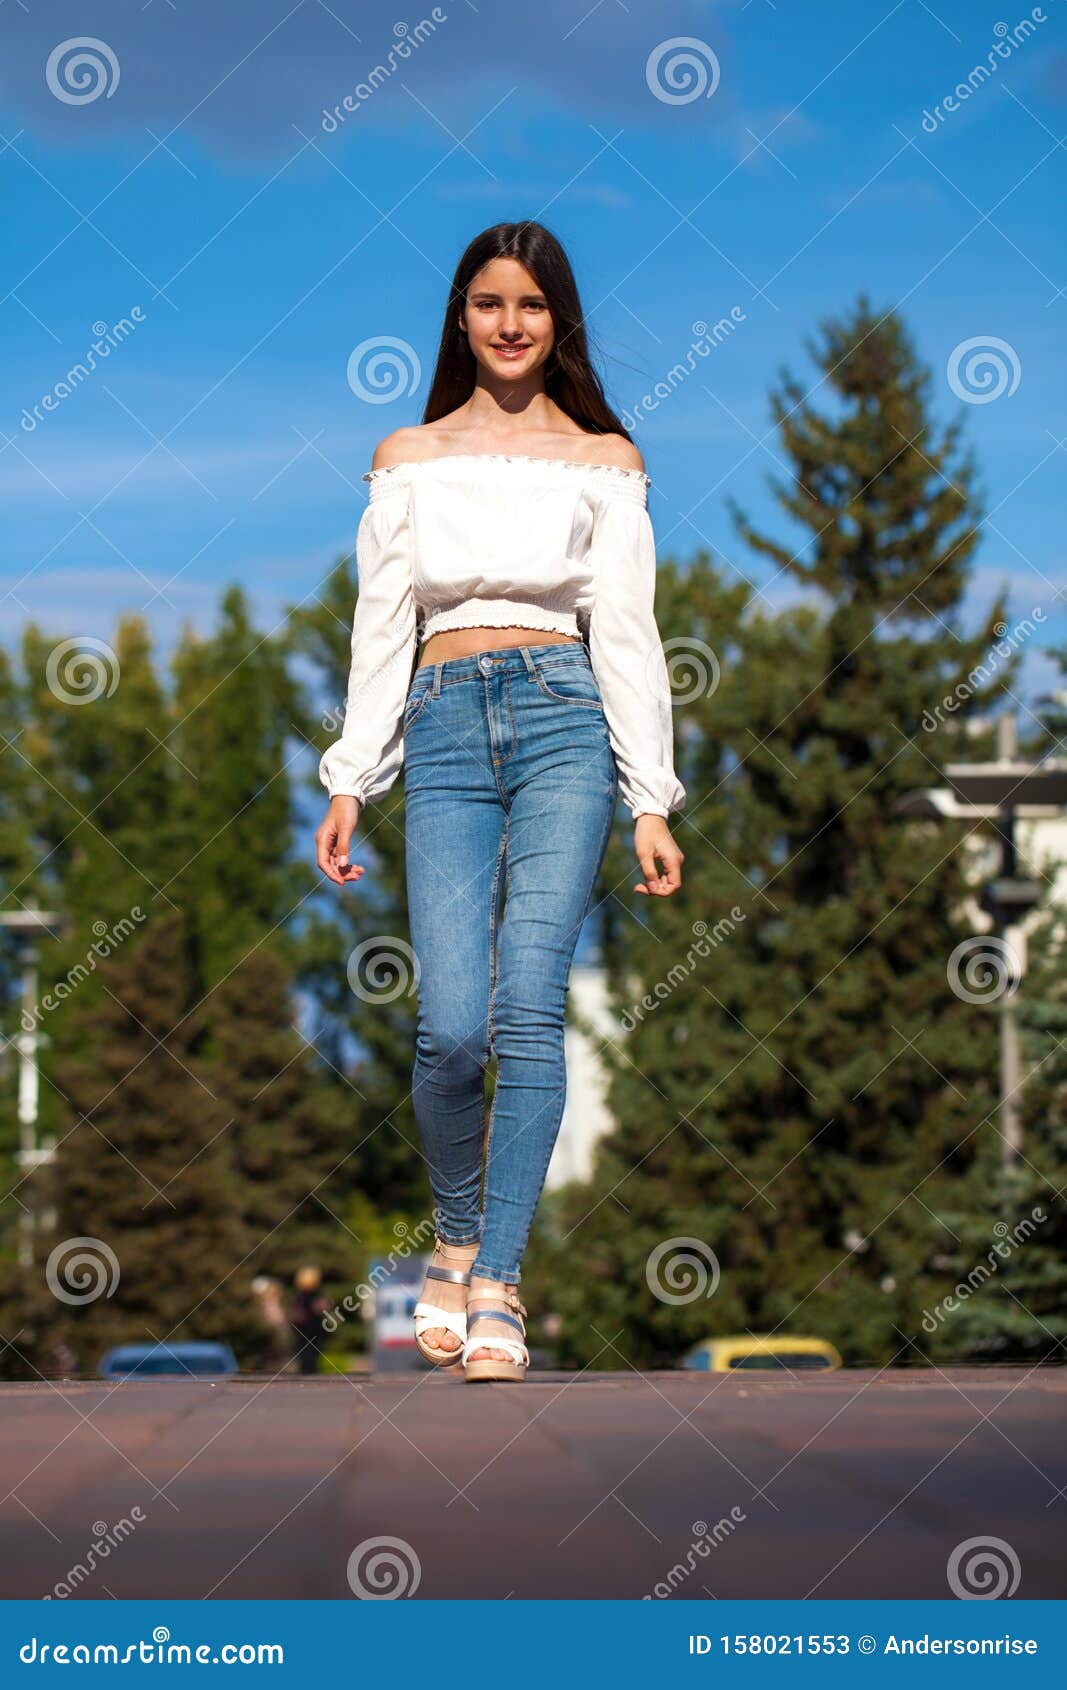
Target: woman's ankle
{"x": 469, "y": 1248}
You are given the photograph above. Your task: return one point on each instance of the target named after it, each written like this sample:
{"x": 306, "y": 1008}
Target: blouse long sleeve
{"x": 367, "y": 758}
{"x": 627, "y": 654}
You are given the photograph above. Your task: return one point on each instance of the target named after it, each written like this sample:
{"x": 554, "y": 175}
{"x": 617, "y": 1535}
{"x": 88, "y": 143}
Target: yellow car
{"x": 793, "y": 1355}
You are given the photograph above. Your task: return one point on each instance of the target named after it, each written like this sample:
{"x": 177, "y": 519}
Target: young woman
{"x": 508, "y": 535}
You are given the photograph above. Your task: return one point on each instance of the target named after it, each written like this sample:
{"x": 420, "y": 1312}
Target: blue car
{"x": 145, "y": 1361}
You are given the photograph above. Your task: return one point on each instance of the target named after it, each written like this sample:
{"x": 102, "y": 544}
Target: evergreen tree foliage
{"x": 144, "y": 1167}
{"x": 232, "y": 869}
{"x": 289, "y": 1133}
{"x": 805, "y": 1079}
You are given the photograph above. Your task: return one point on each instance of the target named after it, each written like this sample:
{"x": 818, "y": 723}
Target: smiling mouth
{"x": 512, "y": 351}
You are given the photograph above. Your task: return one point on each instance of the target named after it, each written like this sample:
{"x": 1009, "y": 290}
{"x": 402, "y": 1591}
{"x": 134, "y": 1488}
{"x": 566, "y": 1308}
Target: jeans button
{"x": 486, "y": 663}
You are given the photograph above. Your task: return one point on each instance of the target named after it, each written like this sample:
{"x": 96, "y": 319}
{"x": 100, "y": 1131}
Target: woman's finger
{"x": 659, "y": 884}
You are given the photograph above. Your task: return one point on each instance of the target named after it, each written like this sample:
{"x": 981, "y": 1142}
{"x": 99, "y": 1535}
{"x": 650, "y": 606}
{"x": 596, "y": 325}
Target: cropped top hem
{"x": 499, "y": 613}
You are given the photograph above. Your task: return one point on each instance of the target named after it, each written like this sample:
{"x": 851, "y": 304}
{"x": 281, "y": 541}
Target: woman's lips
{"x": 510, "y": 351}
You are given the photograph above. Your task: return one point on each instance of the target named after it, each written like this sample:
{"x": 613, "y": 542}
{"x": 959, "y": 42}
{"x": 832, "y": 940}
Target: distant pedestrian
{"x": 307, "y": 1315}
{"x": 276, "y": 1342}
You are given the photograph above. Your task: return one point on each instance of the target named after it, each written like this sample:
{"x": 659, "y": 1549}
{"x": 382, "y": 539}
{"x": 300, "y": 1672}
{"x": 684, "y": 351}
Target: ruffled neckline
{"x": 511, "y": 458}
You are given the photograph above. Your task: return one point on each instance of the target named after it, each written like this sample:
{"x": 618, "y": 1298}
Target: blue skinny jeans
{"x": 510, "y": 793}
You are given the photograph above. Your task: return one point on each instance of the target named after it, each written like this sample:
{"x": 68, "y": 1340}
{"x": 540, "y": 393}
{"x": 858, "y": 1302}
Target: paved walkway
{"x": 847, "y": 1484}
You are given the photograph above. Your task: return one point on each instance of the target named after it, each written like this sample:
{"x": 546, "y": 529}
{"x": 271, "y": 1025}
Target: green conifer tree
{"x": 289, "y": 1135}
{"x": 805, "y": 1077}
{"x": 144, "y": 1168}
{"x": 232, "y": 870}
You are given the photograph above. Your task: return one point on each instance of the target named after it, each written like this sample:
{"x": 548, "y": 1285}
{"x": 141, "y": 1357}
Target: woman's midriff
{"x": 465, "y": 642}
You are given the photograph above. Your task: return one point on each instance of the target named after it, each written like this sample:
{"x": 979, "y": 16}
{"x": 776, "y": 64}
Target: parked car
{"x": 145, "y": 1361}
{"x": 793, "y": 1355}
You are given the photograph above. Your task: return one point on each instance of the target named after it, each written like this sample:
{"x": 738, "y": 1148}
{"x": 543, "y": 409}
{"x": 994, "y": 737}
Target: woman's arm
{"x": 361, "y": 766}
{"x": 628, "y": 659}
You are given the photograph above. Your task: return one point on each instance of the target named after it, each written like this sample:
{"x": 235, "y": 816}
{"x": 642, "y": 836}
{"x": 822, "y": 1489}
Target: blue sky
{"x": 260, "y": 244}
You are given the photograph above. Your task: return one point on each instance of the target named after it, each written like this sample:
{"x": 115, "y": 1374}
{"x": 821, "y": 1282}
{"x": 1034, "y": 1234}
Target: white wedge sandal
{"x": 506, "y": 1308}
{"x": 428, "y": 1316}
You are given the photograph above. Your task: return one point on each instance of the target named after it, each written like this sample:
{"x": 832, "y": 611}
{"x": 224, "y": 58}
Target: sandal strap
{"x": 519, "y": 1352}
{"x": 455, "y": 1276}
{"x": 427, "y": 1316}
{"x": 495, "y": 1314}
{"x": 511, "y": 1301}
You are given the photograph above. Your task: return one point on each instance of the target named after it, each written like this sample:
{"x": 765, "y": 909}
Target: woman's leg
{"x": 557, "y": 832}
{"x": 454, "y": 866}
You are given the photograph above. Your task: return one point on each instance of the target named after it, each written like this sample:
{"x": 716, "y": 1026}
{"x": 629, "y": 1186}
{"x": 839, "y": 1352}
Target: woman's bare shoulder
{"x": 407, "y": 445}
{"x": 615, "y": 449}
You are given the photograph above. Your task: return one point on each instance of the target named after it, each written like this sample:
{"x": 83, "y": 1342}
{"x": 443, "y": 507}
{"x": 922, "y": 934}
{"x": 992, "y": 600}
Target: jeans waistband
{"x": 513, "y": 659}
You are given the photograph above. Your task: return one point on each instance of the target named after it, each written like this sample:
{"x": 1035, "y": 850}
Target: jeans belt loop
{"x": 531, "y": 666}
{"x": 435, "y": 689}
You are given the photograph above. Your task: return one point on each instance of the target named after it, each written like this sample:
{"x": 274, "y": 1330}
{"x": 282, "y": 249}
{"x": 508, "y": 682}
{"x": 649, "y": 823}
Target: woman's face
{"x": 507, "y": 320}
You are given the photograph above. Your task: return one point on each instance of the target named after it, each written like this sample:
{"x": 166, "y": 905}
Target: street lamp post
{"x": 1002, "y": 792}
{"x": 27, "y": 924}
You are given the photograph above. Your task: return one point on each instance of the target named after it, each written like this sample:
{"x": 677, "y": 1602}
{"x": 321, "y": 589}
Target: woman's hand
{"x": 333, "y": 838}
{"x": 652, "y": 839}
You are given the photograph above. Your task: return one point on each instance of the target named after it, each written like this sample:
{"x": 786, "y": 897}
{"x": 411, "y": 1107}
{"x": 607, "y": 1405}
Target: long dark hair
{"x": 570, "y": 379}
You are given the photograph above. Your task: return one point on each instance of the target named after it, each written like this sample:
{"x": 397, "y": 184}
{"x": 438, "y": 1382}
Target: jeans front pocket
{"x": 414, "y": 705}
{"x": 570, "y": 683}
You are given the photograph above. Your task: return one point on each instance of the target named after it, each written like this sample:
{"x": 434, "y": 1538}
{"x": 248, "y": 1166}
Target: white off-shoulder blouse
{"x": 495, "y": 540}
